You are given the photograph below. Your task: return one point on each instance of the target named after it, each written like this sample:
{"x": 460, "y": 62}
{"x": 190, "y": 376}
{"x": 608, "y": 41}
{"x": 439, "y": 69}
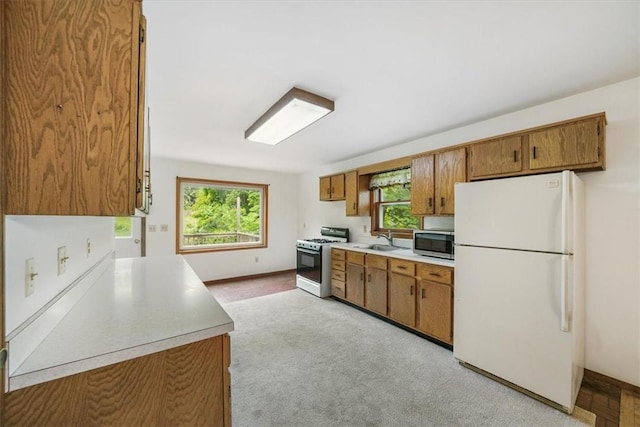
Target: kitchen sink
{"x": 385, "y": 248}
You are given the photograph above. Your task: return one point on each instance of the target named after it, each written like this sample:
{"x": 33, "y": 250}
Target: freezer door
{"x": 508, "y": 317}
{"x": 517, "y": 213}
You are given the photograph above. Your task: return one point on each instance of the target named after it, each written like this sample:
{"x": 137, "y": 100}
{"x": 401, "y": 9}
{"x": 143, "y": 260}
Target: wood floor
{"x": 598, "y": 394}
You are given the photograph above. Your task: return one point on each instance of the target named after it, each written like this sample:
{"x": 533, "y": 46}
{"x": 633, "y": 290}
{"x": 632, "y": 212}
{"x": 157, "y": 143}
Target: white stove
{"x": 313, "y": 266}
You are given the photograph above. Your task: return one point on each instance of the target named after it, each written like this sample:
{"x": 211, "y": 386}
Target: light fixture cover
{"x": 296, "y": 110}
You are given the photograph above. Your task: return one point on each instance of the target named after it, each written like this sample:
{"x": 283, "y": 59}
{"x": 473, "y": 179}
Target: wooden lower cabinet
{"x": 402, "y": 300}
{"x": 415, "y": 294}
{"x": 376, "y": 290}
{"x": 338, "y": 273}
{"x": 355, "y": 284}
{"x": 186, "y": 385}
{"x": 435, "y": 309}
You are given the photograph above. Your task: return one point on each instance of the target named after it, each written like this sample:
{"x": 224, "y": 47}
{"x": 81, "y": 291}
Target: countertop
{"x": 402, "y": 253}
{"x": 137, "y": 306}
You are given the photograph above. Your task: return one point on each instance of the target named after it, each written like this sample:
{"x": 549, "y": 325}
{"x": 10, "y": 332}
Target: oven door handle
{"x": 307, "y": 251}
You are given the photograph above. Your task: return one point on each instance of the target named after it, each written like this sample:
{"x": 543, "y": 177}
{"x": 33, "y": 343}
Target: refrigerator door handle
{"x": 564, "y": 283}
{"x": 564, "y": 231}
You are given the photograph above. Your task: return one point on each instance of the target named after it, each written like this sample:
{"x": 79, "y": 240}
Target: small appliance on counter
{"x": 313, "y": 265}
{"x": 434, "y": 242}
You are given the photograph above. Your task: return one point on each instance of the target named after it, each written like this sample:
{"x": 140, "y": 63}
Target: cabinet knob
{"x": 430, "y": 201}
{"x": 411, "y": 290}
{"x": 422, "y": 293}
{"x": 515, "y": 156}
{"x": 442, "y": 202}
{"x": 534, "y": 151}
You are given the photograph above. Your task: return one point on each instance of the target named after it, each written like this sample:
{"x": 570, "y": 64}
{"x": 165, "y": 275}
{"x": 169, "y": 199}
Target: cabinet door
{"x": 435, "y": 310}
{"x": 566, "y": 145}
{"x": 496, "y": 157}
{"x": 422, "y": 186}
{"x": 355, "y": 284}
{"x": 337, "y": 187}
{"x": 451, "y": 167}
{"x": 143, "y": 172}
{"x": 351, "y": 193}
{"x": 376, "y": 290}
{"x": 402, "y": 300}
{"x": 71, "y": 132}
{"x": 325, "y": 188}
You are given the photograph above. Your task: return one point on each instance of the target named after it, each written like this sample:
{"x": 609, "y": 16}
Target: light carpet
{"x": 298, "y": 360}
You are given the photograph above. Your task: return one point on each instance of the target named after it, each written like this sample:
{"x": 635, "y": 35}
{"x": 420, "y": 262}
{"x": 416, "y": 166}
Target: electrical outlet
{"x": 29, "y": 276}
{"x": 152, "y": 228}
{"x": 257, "y": 259}
{"x": 88, "y": 247}
{"x": 62, "y": 260}
{"x": 164, "y": 227}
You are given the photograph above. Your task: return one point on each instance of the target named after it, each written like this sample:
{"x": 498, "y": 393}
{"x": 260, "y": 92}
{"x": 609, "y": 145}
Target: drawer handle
{"x": 368, "y": 277}
{"x": 402, "y": 267}
{"x": 430, "y": 201}
{"x": 434, "y": 274}
{"x": 515, "y": 156}
{"x": 422, "y": 293}
{"x": 534, "y": 151}
{"x": 354, "y": 206}
{"x": 411, "y": 290}
{"x": 361, "y": 276}
{"x": 442, "y": 202}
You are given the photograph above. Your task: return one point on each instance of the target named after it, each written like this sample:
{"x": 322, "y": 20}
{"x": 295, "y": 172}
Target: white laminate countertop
{"x": 137, "y": 306}
{"x": 402, "y": 253}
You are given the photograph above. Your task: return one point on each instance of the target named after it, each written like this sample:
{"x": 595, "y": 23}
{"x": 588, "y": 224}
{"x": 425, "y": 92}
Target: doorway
{"x": 129, "y": 236}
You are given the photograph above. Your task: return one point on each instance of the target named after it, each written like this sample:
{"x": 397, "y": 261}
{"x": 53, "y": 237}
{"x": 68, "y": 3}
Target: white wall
{"x": 39, "y": 237}
{"x": 283, "y": 205}
{"x": 612, "y": 219}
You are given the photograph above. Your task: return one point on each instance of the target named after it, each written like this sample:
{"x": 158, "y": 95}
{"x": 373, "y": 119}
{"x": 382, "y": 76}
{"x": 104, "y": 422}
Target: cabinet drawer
{"x": 337, "y": 265}
{"x": 355, "y": 258}
{"x": 337, "y": 288}
{"x": 377, "y": 261}
{"x": 402, "y": 266}
{"x": 338, "y": 254}
{"x": 338, "y": 275}
{"x": 435, "y": 273}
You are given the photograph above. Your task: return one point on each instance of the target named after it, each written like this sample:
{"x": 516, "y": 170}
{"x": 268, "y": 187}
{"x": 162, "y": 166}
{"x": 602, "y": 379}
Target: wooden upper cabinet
{"x": 74, "y": 98}
{"x": 566, "y": 145}
{"x": 422, "y": 185}
{"x": 451, "y": 167}
{"x": 332, "y": 187}
{"x": 495, "y": 157}
{"x": 356, "y": 193}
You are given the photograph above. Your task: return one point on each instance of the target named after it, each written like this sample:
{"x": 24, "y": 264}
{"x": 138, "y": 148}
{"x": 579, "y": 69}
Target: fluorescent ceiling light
{"x": 296, "y": 110}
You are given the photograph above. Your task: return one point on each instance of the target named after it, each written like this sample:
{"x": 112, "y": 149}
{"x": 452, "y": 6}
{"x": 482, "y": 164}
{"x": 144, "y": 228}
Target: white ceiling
{"x": 397, "y": 70}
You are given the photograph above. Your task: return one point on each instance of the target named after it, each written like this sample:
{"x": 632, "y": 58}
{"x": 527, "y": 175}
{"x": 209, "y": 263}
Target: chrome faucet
{"x": 388, "y": 236}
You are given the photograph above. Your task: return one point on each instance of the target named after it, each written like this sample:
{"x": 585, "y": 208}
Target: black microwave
{"x": 435, "y": 242}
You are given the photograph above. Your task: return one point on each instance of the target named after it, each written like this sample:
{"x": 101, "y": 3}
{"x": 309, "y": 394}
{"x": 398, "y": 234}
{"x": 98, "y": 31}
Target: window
{"x": 220, "y": 215}
{"x": 392, "y": 202}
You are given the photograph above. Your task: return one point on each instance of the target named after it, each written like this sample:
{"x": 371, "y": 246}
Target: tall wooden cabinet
{"x": 74, "y": 106}
{"x": 432, "y": 181}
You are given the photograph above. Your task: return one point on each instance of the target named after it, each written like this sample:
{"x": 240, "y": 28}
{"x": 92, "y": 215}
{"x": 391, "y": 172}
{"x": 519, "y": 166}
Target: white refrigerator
{"x": 519, "y": 283}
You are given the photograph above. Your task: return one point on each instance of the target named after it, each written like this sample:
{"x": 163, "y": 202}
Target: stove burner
{"x": 322, "y": 241}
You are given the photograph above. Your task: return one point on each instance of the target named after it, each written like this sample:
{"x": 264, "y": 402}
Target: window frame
{"x": 376, "y": 205}
{"x": 264, "y": 215}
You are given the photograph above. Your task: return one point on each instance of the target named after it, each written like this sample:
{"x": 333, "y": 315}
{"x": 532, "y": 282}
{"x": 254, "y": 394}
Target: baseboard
{"x": 616, "y": 382}
{"x": 251, "y": 276}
